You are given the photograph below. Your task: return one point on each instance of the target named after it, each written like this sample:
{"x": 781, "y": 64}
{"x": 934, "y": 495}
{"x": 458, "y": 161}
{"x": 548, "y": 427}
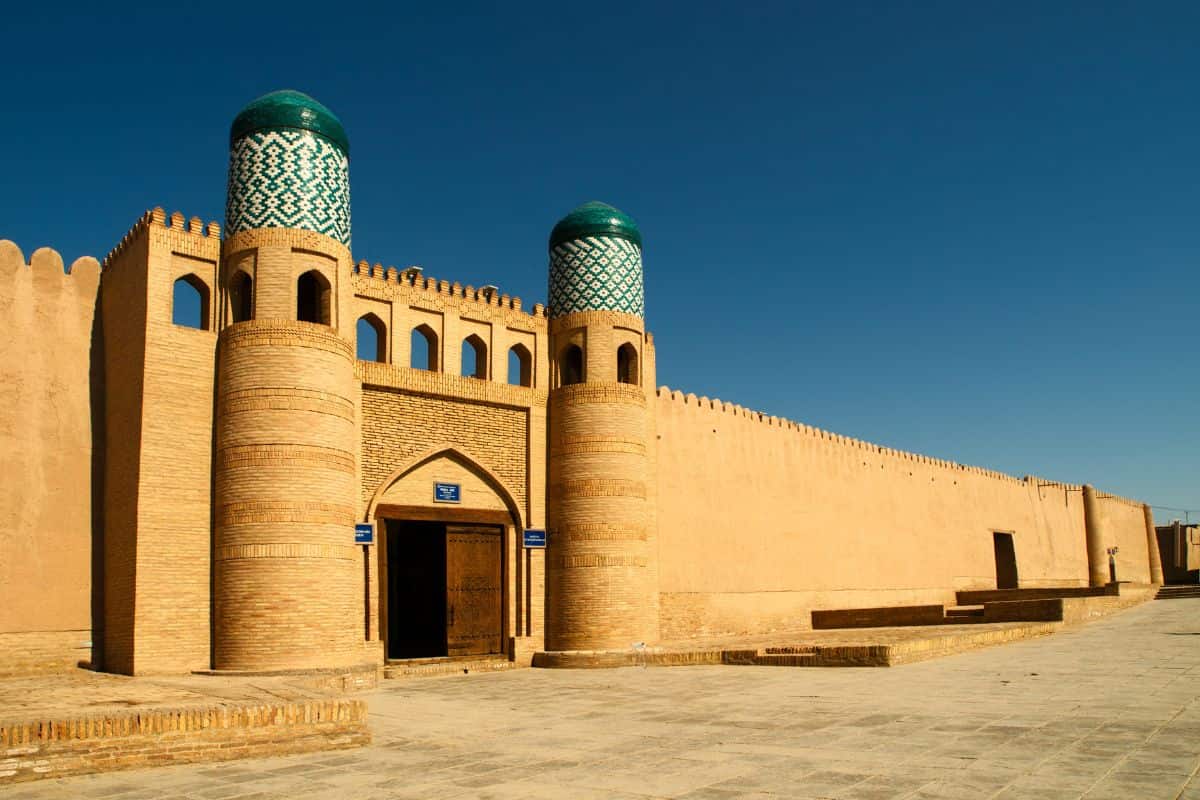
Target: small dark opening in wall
{"x": 520, "y": 366}
{"x": 570, "y": 365}
{"x": 474, "y": 358}
{"x": 241, "y": 297}
{"x": 312, "y": 298}
{"x": 627, "y": 364}
{"x": 1006, "y": 561}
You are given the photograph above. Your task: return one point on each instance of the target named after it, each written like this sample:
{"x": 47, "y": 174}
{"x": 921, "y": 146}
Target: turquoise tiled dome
{"x": 289, "y": 167}
{"x": 285, "y": 109}
{"x": 596, "y": 262}
{"x": 595, "y": 218}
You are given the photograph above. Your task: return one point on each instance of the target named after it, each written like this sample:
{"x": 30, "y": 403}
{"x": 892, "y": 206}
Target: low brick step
{"x": 769, "y": 659}
{"x": 437, "y": 667}
{"x": 789, "y": 650}
{"x": 1177, "y": 592}
{"x": 964, "y": 612}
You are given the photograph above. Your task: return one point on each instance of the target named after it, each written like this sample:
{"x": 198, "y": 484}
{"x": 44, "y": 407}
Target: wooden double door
{"x": 445, "y": 584}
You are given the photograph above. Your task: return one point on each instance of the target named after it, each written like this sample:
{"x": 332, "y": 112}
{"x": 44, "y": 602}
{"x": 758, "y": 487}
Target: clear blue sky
{"x": 967, "y": 230}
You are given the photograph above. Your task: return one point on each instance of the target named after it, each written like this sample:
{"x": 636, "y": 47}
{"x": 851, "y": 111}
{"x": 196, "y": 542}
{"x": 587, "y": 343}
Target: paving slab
{"x": 1106, "y": 710}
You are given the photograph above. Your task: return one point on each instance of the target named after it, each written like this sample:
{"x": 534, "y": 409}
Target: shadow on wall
{"x": 96, "y": 392}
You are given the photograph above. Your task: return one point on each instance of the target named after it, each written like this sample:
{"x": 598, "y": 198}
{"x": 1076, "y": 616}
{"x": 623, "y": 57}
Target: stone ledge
{"x": 47, "y": 748}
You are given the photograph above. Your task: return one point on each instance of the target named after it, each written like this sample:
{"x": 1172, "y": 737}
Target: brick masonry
{"x": 71, "y": 745}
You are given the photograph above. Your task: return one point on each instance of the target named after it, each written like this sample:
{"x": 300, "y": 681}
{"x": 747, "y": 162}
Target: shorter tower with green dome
{"x": 601, "y": 566}
{"x": 596, "y": 262}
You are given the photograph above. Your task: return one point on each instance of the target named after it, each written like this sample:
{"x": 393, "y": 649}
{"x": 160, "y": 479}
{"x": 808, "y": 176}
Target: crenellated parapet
{"x": 187, "y": 236}
{"x": 45, "y": 260}
{"x": 410, "y": 287}
{"x": 679, "y": 399}
{"x": 46, "y": 453}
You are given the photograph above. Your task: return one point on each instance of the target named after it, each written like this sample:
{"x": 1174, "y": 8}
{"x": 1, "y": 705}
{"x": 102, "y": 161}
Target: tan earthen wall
{"x": 45, "y": 459}
{"x": 1123, "y": 525}
{"x": 762, "y": 520}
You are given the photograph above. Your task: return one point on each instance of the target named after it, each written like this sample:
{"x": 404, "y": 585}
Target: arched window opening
{"x": 312, "y": 298}
{"x": 520, "y": 366}
{"x": 424, "y": 348}
{"x": 189, "y": 303}
{"x": 371, "y": 339}
{"x": 570, "y": 365}
{"x": 627, "y": 364}
{"x": 241, "y": 297}
{"x": 474, "y": 358}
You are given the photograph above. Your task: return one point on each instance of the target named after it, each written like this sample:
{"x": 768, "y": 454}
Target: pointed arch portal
{"x": 447, "y": 527}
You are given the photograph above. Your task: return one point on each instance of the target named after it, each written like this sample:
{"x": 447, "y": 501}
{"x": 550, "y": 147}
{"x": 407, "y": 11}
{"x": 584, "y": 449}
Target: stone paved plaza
{"x": 1109, "y": 710}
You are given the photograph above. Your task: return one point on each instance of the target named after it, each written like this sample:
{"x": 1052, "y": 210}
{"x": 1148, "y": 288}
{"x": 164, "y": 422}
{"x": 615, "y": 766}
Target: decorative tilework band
{"x": 288, "y": 179}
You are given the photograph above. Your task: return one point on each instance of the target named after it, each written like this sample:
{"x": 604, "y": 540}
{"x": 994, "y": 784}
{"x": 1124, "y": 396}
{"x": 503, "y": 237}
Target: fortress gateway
{"x": 179, "y": 498}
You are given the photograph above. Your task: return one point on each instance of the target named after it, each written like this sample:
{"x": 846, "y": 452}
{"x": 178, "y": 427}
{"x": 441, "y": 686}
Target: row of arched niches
{"x": 190, "y": 308}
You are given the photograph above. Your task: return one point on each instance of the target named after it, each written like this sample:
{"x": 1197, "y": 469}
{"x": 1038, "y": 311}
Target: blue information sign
{"x": 364, "y": 533}
{"x": 447, "y": 492}
{"x": 535, "y": 538}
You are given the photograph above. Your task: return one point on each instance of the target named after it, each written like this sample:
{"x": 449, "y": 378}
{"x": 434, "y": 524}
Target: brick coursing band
{"x": 237, "y": 552}
{"x": 250, "y": 512}
{"x": 587, "y": 393}
{"x": 284, "y": 455}
{"x": 284, "y": 333}
{"x": 598, "y": 560}
{"x": 586, "y": 319}
{"x": 289, "y": 399}
{"x": 571, "y": 445}
{"x": 599, "y": 532}
{"x": 600, "y": 487}
{"x": 443, "y": 384}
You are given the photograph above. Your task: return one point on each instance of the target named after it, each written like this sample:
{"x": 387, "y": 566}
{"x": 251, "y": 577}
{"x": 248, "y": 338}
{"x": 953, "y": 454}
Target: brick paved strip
{"x": 44, "y": 748}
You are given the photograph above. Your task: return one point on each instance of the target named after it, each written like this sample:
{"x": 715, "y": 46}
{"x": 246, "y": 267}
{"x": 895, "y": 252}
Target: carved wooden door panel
{"x": 473, "y": 584}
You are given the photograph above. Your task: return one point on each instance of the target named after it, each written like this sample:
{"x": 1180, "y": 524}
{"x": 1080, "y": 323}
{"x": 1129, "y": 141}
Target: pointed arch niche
{"x": 403, "y": 510}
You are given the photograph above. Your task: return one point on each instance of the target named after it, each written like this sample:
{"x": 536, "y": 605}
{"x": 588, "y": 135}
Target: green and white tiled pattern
{"x": 288, "y": 179}
{"x": 596, "y": 273}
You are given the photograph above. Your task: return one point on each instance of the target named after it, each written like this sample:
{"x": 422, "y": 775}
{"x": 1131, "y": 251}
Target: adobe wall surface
{"x": 762, "y": 520}
{"x": 1123, "y": 525}
{"x": 45, "y": 458}
{"x": 1179, "y": 546}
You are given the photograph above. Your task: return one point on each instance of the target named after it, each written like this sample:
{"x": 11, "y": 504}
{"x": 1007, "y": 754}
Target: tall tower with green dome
{"x": 289, "y": 167}
{"x": 601, "y": 566}
{"x": 287, "y": 584}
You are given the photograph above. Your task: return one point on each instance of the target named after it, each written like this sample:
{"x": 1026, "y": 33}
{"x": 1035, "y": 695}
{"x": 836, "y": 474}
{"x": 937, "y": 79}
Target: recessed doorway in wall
{"x": 444, "y": 589}
{"x": 1006, "y": 560}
